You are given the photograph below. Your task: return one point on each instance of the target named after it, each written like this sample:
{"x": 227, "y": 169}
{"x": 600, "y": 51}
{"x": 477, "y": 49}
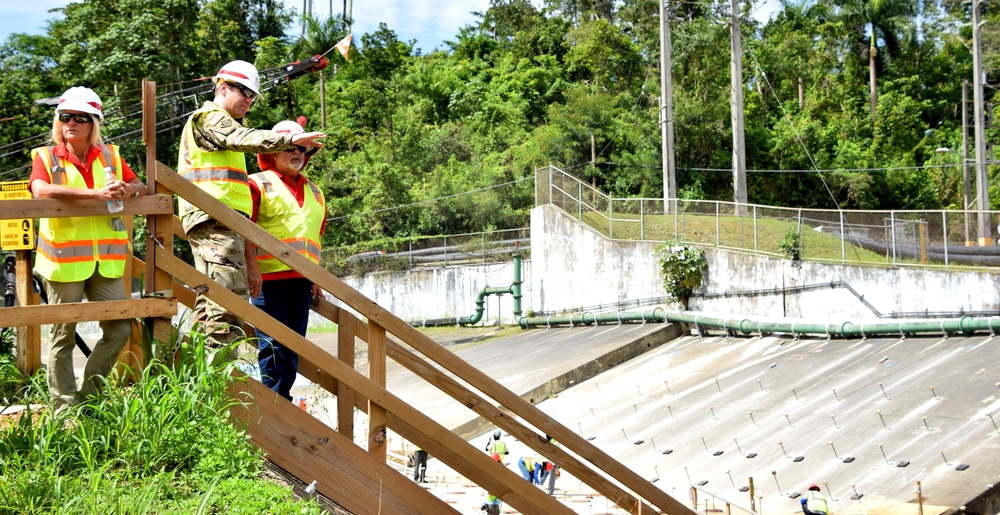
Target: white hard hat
{"x": 81, "y": 99}
{"x": 288, "y": 127}
{"x": 241, "y": 72}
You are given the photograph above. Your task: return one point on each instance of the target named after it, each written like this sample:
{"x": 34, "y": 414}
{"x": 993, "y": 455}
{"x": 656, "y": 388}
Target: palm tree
{"x": 319, "y": 37}
{"x": 890, "y": 21}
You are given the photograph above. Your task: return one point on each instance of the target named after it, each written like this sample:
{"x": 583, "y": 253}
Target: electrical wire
{"x": 791, "y": 124}
{"x": 430, "y": 201}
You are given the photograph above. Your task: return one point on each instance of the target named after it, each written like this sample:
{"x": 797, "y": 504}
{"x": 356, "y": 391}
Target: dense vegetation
{"x": 163, "y": 445}
{"x": 412, "y": 133}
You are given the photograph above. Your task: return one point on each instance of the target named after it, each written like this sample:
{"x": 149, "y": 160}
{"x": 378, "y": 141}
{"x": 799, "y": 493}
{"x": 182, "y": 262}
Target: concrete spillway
{"x": 869, "y": 418}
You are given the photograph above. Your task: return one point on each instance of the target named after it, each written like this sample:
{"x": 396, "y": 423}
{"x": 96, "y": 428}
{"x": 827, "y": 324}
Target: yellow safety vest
{"x": 279, "y": 213}
{"x": 816, "y": 502}
{"x": 69, "y": 247}
{"x": 222, "y": 174}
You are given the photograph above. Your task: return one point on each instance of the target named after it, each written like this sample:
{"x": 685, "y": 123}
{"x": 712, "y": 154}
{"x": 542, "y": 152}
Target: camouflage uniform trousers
{"x": 218, "y": 253}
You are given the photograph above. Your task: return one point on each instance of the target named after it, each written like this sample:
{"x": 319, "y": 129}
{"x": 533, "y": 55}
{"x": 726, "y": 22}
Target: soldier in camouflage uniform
{"x": 211, "y": 156}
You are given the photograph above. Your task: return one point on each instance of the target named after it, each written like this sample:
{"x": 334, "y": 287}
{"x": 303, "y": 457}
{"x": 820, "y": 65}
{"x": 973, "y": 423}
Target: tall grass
{"x": 163, "y": 444}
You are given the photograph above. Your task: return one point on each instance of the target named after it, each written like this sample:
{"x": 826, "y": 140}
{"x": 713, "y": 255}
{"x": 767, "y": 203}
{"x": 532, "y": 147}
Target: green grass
{"x": 164, "y": 445}
{"x": 729, "y": 231}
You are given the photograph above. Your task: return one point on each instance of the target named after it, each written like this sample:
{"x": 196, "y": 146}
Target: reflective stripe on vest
{"x": 279, "y": 214}
{"x": 222, "y": 174}
{"x": 57, "y": 174}
{"x": 68, "y": 247}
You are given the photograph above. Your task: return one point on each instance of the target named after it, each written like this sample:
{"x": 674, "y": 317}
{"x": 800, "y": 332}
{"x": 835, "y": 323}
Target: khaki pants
{"x": 62, "y": 380}
{"x": 218, "y": 253}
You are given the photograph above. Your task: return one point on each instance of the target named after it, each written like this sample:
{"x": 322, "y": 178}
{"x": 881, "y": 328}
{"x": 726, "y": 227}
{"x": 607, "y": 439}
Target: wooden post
{"x": 753, "y": 505}
{"x": 345, "y": 352}
{"x": 377, "y": 417}
{"x": 130, "y": 357}
{"x": 29, "y": 338}
{"x": 920, "y": 500}
{"x": 160, "y": 228}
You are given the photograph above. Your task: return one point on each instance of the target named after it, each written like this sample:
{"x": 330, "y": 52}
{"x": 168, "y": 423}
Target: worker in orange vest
{"x": 292, "y": 209}
{"x": 82, "y": 256}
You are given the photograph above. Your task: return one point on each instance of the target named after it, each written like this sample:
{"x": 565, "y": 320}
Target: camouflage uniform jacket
{"x": 215, "y": 131}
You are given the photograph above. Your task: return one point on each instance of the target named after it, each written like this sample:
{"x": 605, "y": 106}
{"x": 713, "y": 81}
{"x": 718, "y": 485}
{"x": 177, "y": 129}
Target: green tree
{"x": 890, "y": 21}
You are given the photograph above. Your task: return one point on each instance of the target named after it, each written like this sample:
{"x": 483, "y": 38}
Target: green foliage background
{"x": 446, "y": 142}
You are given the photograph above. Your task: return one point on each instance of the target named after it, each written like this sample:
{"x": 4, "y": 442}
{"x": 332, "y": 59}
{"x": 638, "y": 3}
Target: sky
{"x": 429, "y": 22}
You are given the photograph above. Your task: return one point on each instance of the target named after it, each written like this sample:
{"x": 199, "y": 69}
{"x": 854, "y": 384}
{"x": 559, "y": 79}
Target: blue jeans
{"x": 287, "y": 301}
{"x": 533, "y": 475}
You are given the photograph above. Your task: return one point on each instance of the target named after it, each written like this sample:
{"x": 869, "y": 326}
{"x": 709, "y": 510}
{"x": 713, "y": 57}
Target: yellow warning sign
{"x": 17, "y": 234}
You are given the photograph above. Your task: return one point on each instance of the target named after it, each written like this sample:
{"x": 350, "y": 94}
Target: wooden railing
{"x": 356, "y": 476}
{"x": 29, "y": 315}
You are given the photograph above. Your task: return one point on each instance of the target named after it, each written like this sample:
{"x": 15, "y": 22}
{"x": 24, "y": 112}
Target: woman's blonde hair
{"x": 95, "y": 130}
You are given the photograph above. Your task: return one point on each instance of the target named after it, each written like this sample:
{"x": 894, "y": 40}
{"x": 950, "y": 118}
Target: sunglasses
{"x": 299, "y": 148}
{"x": 245, "y": 91}
{"x": 78, "y": 117}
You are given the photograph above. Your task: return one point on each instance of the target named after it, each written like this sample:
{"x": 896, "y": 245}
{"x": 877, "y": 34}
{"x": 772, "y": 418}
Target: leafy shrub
{"x": 791, "y": 244}
{"x": 681, "y": 268}
{"x": 162, "y": 445}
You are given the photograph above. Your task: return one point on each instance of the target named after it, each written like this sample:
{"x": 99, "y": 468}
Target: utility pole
{"x": 984, "y": 232}
{"x": 736, "y": 85}
{"x": 667, "y": 113}
{"x": 593, "y": 162}
{"x": 966, "y": 183}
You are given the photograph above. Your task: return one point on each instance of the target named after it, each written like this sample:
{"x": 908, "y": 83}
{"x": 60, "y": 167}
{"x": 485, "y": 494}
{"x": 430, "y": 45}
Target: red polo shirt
{"x": 40, "y": 173}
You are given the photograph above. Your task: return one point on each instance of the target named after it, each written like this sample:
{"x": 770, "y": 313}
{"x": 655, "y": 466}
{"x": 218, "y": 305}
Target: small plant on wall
{"x": 682, "y": 268}
{"x": 791, "y": 244}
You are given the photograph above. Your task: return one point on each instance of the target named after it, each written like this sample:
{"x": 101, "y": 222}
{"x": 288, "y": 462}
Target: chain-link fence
{"x": 409, "y": 252}
{"x": 917, "y": 238}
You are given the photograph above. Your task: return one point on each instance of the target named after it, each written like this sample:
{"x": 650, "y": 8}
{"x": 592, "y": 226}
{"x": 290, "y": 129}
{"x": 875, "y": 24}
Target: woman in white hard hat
{"x": 81, "y": 256}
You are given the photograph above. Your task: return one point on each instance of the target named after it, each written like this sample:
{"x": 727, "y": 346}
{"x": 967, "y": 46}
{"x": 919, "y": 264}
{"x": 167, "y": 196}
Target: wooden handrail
{"x": 104, "y": 310}
{"x": 378, "y": 316}
{"x": 440, "y": 442}
{"x": 295, "y": 441}
{"x": 455, "y": 390}
{"x": 55, "y": 208}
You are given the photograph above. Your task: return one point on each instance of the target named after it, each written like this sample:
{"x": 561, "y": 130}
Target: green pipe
{"x": 965, "y": 325}
{"x": 481, "y": 303}
{"x": 514, "y": 289}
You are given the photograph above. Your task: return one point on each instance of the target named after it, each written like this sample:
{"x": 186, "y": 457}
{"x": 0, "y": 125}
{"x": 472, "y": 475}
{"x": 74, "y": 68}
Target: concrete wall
{"x": 572, "y": 266}
{"x": 443, "y": 292}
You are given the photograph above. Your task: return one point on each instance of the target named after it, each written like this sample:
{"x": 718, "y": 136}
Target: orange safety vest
{"x": 68, "y": 247}
{"x": 222, "y": 174}
{"x": 279, "y": 214}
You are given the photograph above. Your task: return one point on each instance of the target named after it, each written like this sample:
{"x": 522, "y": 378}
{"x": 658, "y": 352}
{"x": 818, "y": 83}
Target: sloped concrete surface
{"x": 713, "y": 402}
{"x": 694, "y": 409}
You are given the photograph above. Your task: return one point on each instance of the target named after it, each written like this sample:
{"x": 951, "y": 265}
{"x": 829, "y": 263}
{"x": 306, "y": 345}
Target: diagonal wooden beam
{"x": 474, "y": 402}
{"x": 433, "y": 437}
{"x": 311, "y": 450}
{"x": 425, "y": 345}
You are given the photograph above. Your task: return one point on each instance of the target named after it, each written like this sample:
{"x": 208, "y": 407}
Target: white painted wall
{"x": 428, "y": 293}
{"x": 572, "y": 266}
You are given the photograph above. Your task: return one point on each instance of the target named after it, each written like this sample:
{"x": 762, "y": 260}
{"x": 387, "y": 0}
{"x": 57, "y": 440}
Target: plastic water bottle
{"x": 114, "y": 206}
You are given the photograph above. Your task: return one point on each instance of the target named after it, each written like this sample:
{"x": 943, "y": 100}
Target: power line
{"x": 791, "y": 124}
{"x": 430, "y": 201}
